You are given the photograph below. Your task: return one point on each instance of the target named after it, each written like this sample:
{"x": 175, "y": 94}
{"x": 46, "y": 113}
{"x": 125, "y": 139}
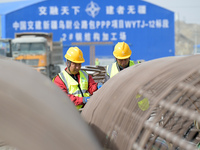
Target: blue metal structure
{"x": 147, "y": 28}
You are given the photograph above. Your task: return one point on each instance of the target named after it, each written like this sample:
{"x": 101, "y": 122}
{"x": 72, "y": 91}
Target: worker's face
{"x": 75, "y": 67}
{"x": 123, "y": 62}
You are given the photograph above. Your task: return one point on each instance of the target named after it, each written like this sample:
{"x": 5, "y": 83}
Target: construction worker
{"x": 97, "y": 62}
{"x": 78, "y": 85}
{"x": 122, "y": 55}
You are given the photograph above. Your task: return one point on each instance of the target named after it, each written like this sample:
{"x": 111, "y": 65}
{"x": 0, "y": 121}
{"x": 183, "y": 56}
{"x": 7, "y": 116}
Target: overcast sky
{"x": 185, "y": 10}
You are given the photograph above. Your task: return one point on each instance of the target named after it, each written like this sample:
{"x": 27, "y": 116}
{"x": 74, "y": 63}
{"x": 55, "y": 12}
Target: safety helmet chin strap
{"x": 68, "y": 65}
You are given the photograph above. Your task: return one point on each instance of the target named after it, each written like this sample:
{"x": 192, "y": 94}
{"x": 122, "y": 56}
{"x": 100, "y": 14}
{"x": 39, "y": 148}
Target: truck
{"x": 37, "y": 50}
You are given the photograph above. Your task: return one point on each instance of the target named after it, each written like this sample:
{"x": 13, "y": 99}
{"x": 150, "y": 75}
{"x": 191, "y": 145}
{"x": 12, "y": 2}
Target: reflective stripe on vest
{"x": 72, "y": 85}
{"x": 112, "y": 69}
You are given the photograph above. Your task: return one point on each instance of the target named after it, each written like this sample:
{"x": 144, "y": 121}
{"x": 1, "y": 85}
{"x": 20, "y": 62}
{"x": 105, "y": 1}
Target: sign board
{"x": 147, "y": 28}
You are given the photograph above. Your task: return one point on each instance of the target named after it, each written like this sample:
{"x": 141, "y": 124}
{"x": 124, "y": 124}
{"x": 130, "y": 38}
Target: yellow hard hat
{"x": 75, "y": 55}
{"x": 122, "y": 50}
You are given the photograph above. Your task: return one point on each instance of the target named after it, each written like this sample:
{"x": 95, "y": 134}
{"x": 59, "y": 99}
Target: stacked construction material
{"x": 152, "y": 105}
{"x": 97, "y": 72}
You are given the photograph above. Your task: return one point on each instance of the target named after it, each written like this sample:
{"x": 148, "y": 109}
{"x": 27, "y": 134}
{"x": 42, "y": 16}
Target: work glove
{"x": 85, "y": 99}
{"x": 99, "y": 85}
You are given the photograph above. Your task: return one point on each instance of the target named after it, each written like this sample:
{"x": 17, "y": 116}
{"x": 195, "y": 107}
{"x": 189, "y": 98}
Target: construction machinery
{"x": 35, "y": 49}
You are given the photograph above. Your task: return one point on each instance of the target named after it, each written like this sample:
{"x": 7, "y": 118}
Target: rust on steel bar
{"x": 152, "y": 105}
{"x": 36, "y": 115}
